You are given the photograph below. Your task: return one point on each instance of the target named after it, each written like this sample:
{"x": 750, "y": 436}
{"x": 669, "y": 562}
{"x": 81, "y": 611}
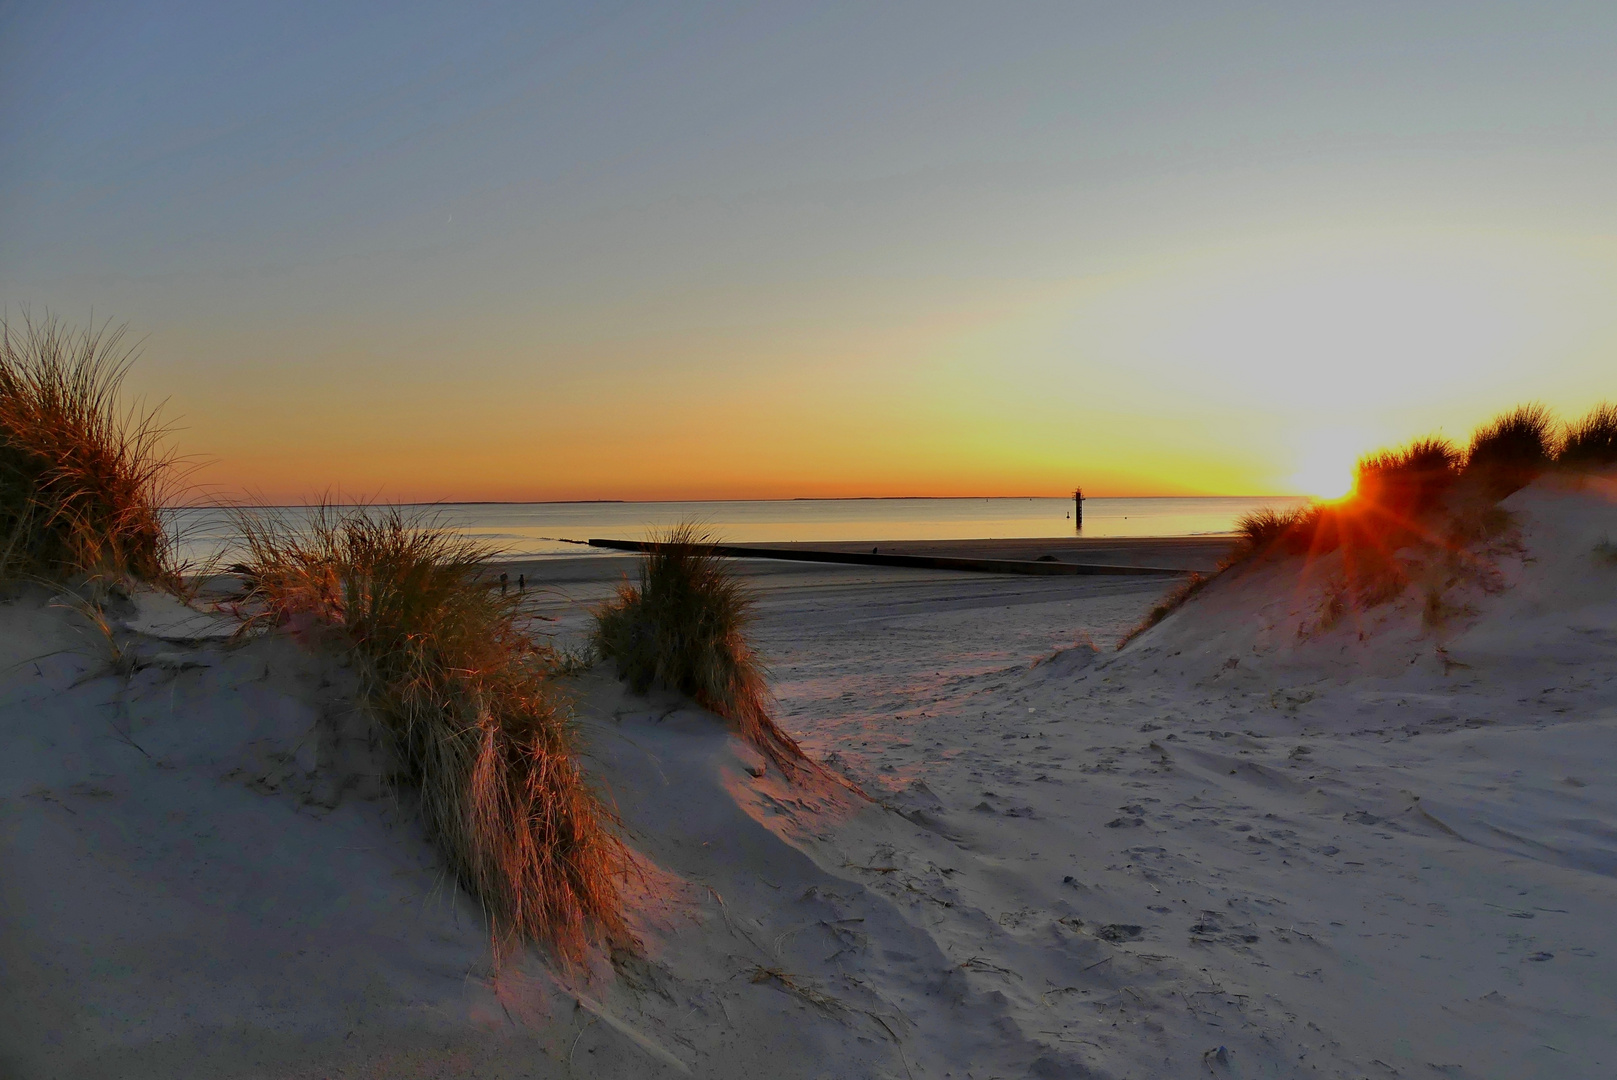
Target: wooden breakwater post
{"x": 1078, "y": 509}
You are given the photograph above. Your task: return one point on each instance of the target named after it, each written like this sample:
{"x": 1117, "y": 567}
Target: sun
{"x": 1326, "y": 469}
{"x": 1328, "y": 483}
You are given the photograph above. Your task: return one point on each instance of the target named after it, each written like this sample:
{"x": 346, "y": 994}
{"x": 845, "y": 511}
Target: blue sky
{"x": 453, "y": 251}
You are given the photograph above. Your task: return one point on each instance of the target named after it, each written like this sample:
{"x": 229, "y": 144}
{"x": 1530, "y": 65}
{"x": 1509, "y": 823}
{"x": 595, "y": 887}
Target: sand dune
{"x": 1250, "y": 844}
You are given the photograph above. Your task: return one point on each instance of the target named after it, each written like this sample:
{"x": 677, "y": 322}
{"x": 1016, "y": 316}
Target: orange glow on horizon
{"x": 1260, "y": 370}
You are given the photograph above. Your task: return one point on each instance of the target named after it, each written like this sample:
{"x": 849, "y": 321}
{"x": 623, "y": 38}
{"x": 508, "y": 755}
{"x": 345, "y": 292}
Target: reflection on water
{"x": 541, "y": 528}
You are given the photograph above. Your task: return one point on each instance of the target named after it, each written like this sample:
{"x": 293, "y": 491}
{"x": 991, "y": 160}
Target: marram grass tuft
{"x": 1409, "y": 481}
{"x": 1262, "y": 529}
{"x": 684, "y": 627}
{"x": 466, "y": 700}
{"x": 1511, "y": 449}
{"x": 82, "y": 481}
{"x": 1591, "y": 441}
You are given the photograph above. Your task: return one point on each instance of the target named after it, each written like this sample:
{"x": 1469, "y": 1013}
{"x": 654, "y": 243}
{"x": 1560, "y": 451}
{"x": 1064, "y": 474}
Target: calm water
{"x": 541, "y": 528}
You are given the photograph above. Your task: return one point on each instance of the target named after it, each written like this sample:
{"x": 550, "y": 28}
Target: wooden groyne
{"x": 1049, "y": 568}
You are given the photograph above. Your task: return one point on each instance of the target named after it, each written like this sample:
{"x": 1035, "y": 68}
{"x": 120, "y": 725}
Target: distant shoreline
{"x": 1184, "y": 553}
{"x": 678, "y": 502}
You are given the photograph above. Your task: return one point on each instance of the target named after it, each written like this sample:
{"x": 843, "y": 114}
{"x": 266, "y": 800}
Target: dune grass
{"x": 1262, "y": 528}
{"x": 1267, "y": 529}
{"x": 1410, "y": 481}
{"x": 82, "y": 480}
{"x": 1510, "y": 450}
{"x": 684, "y": 628}
{"x": 466, "y": 702}
{"x": 1426, "y": 494}
{"x": 1591, "y": 441}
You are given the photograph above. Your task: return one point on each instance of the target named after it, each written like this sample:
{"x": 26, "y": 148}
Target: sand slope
{"x": 204, "y": 877}
{"x": 1250, "y": 844}
{"x": 178, "y": 897}
{"x": 1291, "y": 854}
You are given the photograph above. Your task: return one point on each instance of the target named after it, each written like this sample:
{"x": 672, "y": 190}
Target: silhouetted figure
{"x": 502, "y": 584}
{"x": 522, "y": 584}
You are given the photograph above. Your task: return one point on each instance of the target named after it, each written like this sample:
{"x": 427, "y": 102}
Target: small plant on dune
{"x": 1374, "y": 574}
{"x": 1170, "y": 603}
{"x": 1511, "y": 449}
{"x": 684, "y": 627}
{"x": 1334, "y": 607}
{"x": 1434, "y": 611}
{"x": 1474, "y": 521}
{"x": 1301, "y": 529}
{"x": 466, "y": 702}
{"x": 1410, "y": 481}
{"x": 1312, "y": 529}
{"x": 1438, "y": 611}
{"x": 82, "y": 481}
{"x": 1261, "y": 529}
{"x": 1591, "y": 441}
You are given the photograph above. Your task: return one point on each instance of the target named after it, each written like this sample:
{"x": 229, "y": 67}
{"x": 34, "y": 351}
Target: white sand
{"x": 1228, "y": 850}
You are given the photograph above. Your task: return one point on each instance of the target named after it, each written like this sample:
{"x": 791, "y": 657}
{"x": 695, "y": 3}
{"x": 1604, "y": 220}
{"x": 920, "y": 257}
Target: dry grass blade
{"x": 784, "y": 979}
{"x": 82, "y": 481}
{"x": 1175, "y": 599}
{"x": 467, "y": 703}
{"x": 685, "y": 628}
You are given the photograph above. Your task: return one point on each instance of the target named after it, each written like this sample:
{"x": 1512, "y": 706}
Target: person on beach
{"x": 502, "y": 584}
{"x": 522, "y": 584}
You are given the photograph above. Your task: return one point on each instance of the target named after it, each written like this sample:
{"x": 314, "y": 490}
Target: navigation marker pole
{"x": 1078, "y": 509}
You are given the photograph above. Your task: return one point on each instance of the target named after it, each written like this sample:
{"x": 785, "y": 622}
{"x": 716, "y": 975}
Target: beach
{"x": 808, "y": 542}
{"x": 1246, "y": 845}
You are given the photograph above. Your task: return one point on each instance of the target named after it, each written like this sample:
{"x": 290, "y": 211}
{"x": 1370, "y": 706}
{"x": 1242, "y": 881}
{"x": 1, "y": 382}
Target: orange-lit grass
{"x": 1262, "y": 529}
{"x": 466, "y": 701}
{"x": 81, "y": 479}
{"x": 1410, "y": 481}
{"x": 1511, "y": 449}
{"x": 1404, "y": 497}
{"x": 684, "y": 627}
{"x": 1591, "y": 441}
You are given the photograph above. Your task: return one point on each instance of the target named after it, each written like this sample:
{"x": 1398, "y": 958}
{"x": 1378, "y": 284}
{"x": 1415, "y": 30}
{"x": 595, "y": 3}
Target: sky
{"x": 689, "y": 251}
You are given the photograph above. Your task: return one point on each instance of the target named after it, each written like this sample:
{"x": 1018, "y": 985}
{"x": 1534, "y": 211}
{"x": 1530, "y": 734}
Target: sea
{"x": 205, "y": 534}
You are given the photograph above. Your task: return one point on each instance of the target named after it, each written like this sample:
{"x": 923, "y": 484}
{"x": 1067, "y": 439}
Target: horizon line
{"x": 794, "y": 498}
